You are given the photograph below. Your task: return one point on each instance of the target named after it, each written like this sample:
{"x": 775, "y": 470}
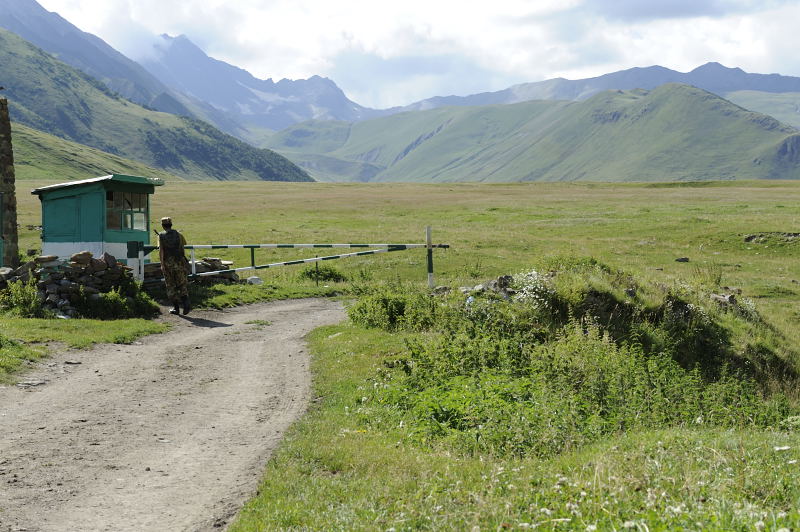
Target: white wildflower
{"x": 532, "y": 289}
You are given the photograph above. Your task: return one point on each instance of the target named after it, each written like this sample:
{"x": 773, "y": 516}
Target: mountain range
{"x": 257, "y": 105}
{"x": 73, "y": 85}
{"x": 712, "y": 77}
{"x": 672, "y": 133}
{"x": 51, "y": 96}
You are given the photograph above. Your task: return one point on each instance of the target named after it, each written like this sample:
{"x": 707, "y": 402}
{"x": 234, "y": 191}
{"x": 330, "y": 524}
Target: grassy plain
{"x": 336, "y": 472}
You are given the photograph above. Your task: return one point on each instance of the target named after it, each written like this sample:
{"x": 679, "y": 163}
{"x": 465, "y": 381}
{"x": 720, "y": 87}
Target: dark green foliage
{"x": 22, "y": 300}
{"x": 395, "y": 307}
{"x": 125, "y": 302}
{"x": 580, "y": 352}
{"x": 323, "y": 273}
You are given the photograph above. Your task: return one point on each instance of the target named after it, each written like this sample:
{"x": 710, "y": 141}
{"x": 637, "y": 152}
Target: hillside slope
{"x": 38, "y": 155}
{"x": 88, "y": 53}
{"x": 785, "y": 106}
{"x": 675, "y": 132}
{"x": 53, "y": 97}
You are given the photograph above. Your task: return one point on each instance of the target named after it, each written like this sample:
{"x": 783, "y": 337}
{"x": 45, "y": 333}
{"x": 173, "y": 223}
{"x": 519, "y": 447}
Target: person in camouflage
{"x": 173, "y": 266}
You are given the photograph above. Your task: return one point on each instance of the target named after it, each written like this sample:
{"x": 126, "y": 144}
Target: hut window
{"x": 126, "y": 210}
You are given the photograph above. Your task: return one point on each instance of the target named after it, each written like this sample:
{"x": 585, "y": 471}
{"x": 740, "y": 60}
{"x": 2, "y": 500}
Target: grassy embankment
{"x": 347, "y": 467}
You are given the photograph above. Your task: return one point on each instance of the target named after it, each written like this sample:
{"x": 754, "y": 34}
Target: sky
{"x": 385, "y": 53}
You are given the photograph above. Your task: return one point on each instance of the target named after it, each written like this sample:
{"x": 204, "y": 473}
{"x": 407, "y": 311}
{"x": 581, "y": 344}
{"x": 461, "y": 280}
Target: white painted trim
{"x": 64, "y": 250}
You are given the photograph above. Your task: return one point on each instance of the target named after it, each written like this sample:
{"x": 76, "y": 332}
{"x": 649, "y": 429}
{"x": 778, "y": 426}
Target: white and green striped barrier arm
{"x": 382, "y": 248}
{"x": 302, "y": 261}
{"x": 297, "y": 246}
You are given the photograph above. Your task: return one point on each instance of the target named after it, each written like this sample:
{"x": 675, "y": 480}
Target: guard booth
{"x": 102, "y": 214}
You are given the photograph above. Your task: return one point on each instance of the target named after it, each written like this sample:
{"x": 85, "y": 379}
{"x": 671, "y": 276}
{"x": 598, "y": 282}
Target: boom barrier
{"x": 381, "y": 248}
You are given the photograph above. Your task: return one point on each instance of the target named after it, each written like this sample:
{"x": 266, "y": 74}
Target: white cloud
{"x": 506, "y": 41}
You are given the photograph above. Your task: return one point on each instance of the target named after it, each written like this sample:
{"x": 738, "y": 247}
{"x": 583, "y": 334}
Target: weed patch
{"x": 22, "y": 300}
{"x": 568, "y": 357}
{"x": 322, "y": 274}
{"x": 12, "y": 355}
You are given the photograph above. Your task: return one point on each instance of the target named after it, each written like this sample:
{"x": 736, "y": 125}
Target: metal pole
{"x": 194, "y": 264}
{"x": 140, "y": 272}
{"x": 429, "y": 245}
{"x": 253, "y": 257}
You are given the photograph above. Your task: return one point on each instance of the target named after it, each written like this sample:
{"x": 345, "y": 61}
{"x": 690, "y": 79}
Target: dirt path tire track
{"x": 171, "y": 433}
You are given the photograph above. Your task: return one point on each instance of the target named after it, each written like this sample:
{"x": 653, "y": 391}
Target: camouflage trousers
{"x": 175, "y": 278}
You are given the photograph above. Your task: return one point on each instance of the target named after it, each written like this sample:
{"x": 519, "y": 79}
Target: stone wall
{"x": 7, "y": 187}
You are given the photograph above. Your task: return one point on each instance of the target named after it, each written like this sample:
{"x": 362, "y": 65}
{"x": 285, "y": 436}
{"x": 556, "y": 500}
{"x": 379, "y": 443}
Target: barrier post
{"x": 194, "y": 264}
{"x": 429, "y": 245}
{"x": 140, "y": 268}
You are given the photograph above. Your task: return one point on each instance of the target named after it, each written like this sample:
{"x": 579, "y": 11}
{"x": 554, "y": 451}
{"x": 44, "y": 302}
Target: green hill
{"x": 51, "y": 96}
{"x": 674, "y": 132}
{"x": 38, "y": 155}
{"x": 784, "y": 106}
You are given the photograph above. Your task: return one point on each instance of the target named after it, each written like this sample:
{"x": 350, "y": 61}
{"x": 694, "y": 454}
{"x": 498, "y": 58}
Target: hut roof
{"x": 113, "y": 177}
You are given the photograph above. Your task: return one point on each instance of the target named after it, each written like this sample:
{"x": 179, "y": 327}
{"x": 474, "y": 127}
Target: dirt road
{"x": 171, "y": 433}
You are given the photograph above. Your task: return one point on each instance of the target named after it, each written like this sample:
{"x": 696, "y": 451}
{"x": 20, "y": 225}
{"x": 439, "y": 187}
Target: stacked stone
{"x": 214, "y": 264}
{"x": 153, "y": 275}
{"x": 60, "y": 282}
{"x": 23, "y": 273}
{"x": 60, "y": 285}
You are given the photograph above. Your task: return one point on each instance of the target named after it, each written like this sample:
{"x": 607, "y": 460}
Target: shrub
{"x": 323, "y": 273}
{"x": 22, "y": 300}
{"x": 579, "y": 353}
{"x": 115, "y": 305}
{"x": 395, "y": 307}
{"x": 482, "y": 395}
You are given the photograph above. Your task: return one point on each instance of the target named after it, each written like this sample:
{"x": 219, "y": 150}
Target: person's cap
{"x": 166, "y": 220}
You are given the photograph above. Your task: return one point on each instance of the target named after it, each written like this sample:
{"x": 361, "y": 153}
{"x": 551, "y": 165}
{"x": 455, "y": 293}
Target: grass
{"x": 19, "y": 337}
{"x": 221, "y": 296}
{"x": 13, "y": 355}
{"x": 38, "y": 155}
{"x": 78, "y": 333}
{"x": 334, "y": 472}
{"x": 496, "y": 229}
{"x": 341, "y": 470}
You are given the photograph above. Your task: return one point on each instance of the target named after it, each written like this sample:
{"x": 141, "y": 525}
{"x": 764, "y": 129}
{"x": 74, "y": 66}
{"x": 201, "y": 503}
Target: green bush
{"x": 22, "y": 300}
{"x": 115, "y": 305}
{"x": 396, "y": 307}
{"x": 323, "y": 273}
{"x": 577, "y": 354}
